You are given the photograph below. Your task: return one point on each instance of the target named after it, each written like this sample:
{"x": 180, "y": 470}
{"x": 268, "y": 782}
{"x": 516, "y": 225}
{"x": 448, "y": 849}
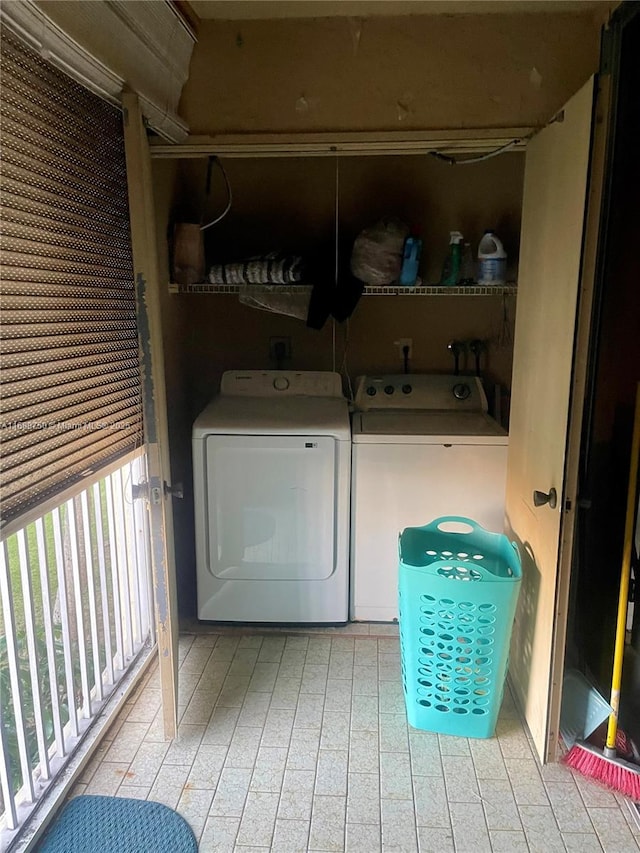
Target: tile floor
{"x": 299, "y": 742}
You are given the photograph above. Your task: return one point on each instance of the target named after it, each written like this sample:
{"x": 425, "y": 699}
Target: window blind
{"x": 69, "y": 368}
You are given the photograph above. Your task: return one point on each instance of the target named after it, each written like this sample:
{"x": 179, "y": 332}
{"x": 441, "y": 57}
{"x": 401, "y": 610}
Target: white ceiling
{"x": 235, "y": 10}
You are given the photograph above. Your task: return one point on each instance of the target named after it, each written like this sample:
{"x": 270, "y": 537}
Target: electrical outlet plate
{"x": 279, "y": 348}
{"x": 401, "y": 343}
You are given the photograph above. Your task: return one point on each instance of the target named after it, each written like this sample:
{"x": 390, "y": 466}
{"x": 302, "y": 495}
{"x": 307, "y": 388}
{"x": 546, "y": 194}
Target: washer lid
{"x": 229, "y": 415}
{"x": 400, "y": 427}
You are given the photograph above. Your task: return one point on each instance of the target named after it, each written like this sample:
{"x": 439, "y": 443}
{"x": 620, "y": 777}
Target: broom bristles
{"x": 613, "y": 773}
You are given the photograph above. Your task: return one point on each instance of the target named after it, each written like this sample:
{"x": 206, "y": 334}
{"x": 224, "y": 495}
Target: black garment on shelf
{"x": 346, "y": 296}
{"x": 338, "y": 301}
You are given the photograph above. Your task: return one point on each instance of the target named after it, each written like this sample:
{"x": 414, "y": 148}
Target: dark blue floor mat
{"x": 117, "y": 825}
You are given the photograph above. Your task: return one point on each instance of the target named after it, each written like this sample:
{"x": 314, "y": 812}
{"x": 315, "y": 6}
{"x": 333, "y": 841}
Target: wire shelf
{"x": 441, "y": 290}
{"x": 394, "y": 290}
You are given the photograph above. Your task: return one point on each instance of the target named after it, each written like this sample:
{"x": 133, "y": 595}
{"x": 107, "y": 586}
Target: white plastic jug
{"x": 492, "y": 260}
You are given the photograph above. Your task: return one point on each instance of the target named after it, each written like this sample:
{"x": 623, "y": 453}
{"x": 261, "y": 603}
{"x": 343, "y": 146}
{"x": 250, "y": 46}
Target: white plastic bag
{"x": 376, "y": 257}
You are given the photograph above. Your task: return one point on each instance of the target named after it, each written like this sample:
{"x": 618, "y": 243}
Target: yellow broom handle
{"x": 621, "y": 626}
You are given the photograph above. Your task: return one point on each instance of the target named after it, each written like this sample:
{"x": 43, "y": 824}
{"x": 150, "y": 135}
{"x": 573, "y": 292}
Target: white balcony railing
{"x": 76, "y": 608}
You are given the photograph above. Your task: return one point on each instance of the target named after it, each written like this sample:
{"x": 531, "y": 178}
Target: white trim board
{"x": 37, "y": 29}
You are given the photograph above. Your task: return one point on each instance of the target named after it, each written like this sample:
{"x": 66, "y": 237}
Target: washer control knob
{"x": 461, "y": 391}
{"x": 389, "y": 389}
{"x": 407, "y": 389}
{"x": 281, "y": 383}
{"x": 371, "y": 391}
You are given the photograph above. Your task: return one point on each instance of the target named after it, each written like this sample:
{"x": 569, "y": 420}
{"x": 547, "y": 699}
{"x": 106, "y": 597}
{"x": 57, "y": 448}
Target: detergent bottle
{"x": 453, "y": 261}
{"x": 492, "y": 260}
{"x": 410, "y": 261}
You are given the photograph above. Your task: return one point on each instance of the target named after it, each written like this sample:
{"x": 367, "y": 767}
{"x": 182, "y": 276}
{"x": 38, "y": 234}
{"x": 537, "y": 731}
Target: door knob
{"x": 542, "y": 498}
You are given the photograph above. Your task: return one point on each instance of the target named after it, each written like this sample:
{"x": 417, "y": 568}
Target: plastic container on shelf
{"x": 410, "y": 261}
{"x": 458, "y": 587}
{"x": 453, "y": 261}
{"x": 492, "y": 260}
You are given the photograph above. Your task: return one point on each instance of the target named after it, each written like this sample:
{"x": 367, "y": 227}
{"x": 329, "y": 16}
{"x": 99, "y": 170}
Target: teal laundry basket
{"x": 458, "y": 587}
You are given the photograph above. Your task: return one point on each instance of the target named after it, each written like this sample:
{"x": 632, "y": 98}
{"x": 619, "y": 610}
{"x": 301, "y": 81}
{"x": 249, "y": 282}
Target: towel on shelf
{"x": 277, "y": 299}
{"x": 273, "y": 269}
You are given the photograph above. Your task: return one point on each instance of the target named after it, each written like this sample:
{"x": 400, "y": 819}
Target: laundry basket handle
{"x": 479, "y": 537}
{"x": 454, "y": 519}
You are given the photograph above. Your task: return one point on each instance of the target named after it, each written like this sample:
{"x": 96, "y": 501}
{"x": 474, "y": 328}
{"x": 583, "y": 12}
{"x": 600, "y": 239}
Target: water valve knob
{"x": 461, "y": 391}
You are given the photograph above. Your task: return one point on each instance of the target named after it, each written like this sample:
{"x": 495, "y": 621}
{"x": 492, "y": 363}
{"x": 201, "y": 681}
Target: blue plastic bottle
{"x": 410, "y": 261}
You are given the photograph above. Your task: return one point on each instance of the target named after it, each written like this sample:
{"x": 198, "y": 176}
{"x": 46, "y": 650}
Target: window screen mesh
{"x": 69, "y": 369}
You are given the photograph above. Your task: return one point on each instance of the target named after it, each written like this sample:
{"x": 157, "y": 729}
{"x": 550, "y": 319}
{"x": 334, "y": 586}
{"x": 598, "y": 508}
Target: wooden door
{"x": 156, "y": 435}
{"x": 551, "y": 338}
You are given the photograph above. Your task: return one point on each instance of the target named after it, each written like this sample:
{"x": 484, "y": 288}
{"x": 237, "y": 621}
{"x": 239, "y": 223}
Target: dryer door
{"x": 271, "y": 507}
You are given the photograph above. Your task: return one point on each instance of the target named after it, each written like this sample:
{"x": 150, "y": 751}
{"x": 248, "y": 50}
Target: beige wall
{"x": 379, "y": 73}
{"x": 223, "y": 335}
{"x": 290, "y": 205}
{"x": 403, "y": 73}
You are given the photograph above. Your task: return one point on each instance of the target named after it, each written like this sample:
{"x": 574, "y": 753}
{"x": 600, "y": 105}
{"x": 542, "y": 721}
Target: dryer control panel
{"x": 419, "y": 391}
{"x": 281, "y": 383}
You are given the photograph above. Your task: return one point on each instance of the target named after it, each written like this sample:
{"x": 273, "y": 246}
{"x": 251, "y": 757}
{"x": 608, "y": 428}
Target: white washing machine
{"x": 272, "y": 459}
{"x": 423, "y": 447}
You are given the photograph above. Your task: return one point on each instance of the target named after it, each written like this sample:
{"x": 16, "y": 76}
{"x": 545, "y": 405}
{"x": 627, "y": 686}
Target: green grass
{"x": 15, "y": 575}
{"x": 17, "y": 595}
{"x": 13, "y": 561}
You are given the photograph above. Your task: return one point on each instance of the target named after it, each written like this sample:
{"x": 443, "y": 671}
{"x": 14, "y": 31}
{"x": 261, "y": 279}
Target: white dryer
{"x": 423, "y": 447}
{"x": 272, "y": 457}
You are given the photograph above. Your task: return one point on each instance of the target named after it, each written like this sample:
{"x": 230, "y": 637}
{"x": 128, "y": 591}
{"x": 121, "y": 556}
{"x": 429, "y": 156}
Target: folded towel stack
{"x": 269, "y": 269}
